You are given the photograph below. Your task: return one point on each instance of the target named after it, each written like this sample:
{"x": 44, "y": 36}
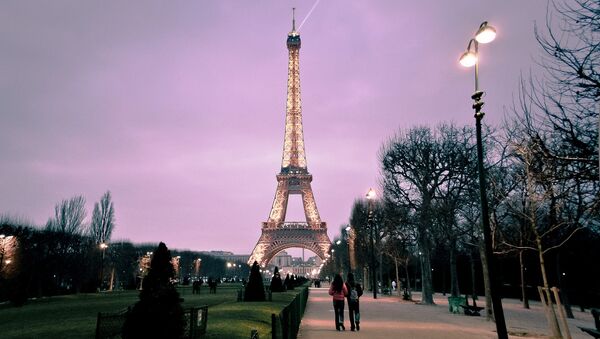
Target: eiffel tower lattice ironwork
{"x": 277, "y": 234}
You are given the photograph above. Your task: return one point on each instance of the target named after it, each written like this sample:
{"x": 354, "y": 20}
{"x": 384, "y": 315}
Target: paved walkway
{"x": 389, "y": 317}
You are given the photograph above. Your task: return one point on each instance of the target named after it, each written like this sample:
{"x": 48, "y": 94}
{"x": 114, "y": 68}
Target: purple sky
{"x": 178, "y": 107}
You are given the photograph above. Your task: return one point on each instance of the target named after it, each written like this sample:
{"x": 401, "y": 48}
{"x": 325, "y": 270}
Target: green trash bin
{"x": 455, "y": 302}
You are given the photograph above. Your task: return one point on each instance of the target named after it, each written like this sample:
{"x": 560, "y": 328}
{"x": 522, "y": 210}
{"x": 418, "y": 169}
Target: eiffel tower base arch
{"x": 275, "y": 240}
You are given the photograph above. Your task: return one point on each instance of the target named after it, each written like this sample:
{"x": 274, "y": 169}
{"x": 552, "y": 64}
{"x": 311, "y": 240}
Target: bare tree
{"x": 421, "y": 168}
{"x": 514, "y": 228}
{"x": 567, "y": 98}
{"x": 103, "y": 219}
{"x": 546, "y": 200}
{"x": 554, "y": 135}
{"x": 69, "y": 216}
{"x": 362, "y": 235}
{"x": 358, "y": 222}
{"x": 397, "y": 247}
{"x": 450, "y": 227}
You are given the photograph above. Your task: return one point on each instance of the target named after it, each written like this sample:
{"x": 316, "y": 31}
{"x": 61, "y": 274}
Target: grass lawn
{"x": 74, "y": 316}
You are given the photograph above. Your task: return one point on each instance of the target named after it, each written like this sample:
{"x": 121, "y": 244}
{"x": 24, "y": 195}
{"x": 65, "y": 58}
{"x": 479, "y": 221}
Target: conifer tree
{"x": 158, "y": 313}
{"x": 289, "y": 285}
{"x": 255, "y": 289}
{"x": 276, "y": 284}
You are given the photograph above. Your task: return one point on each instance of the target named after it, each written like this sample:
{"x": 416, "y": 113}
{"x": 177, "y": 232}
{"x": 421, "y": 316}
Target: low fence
{"x": 286, "y": 324}
{"x": 110, "y": 325}
{"x": 196, "y": 319}
{"x": 268, "y": 294}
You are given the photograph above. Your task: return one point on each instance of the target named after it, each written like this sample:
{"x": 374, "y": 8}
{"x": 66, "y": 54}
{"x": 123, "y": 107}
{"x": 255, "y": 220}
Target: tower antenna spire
{"x": 293, "y": 19}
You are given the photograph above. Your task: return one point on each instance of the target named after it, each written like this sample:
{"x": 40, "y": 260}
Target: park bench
{"x": 471, "y": 310}
{"x": 456, "y": 303}
{"x": 594, "y": 332}
{"x": 109, "y": 325}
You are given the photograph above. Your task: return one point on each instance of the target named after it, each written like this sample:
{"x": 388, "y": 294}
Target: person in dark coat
{"x": 354, "y": 293}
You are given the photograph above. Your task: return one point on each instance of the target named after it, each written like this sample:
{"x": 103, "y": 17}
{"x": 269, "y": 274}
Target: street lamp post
{"x": 340, "y": 255}
{"x": 485, "y": 34}
{"x": 370, "y": 196}
{"x": 178, "y": 268}
{"x": 3, "y": 238}
{"x": 197, "y": 264}
{"x": 103, "y": 247}
{"x": 421, "y": 273}
{"x": 334, "y": 262}
{"x": 350, "y": 240}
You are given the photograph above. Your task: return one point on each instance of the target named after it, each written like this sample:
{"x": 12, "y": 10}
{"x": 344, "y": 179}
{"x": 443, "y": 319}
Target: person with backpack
{"x": 354, "y": 293}
{"x": 338, "y": 291}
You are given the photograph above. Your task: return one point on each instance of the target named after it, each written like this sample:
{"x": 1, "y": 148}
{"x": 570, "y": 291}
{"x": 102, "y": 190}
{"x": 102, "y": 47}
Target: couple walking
{"x": 349, "y": 290}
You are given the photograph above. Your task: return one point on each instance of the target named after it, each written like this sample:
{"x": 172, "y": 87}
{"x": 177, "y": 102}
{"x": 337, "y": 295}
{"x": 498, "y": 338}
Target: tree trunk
{"x": 417, "y": 287}
{"x": 381, "y": 269}
{"x": 563, "y": 289}
{"x": 398, "y": 285}
{"x": 443, "y": 281}
{"x": 454, "y": 291}
{"x": 473, "y": 281}
{"x": 489, "y": 313}
{"x": 523, "y": 282}
{"x": 407, "y": 279}
{"x": 521, "y": 253}
{"x": 426, "y": 281}
{"x": 551, "y": 314}
{"x": 424, "y": 224}
{"x": 112, "y": 279}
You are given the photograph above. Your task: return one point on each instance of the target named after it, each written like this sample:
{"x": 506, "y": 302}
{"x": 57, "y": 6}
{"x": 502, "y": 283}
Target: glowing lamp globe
{"x": 371, "y": 194}
{"x": 485, "y": 34}
{"x": 468, "y": 59}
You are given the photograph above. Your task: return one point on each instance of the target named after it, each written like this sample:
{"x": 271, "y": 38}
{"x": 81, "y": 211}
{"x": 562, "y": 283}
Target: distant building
{"x": 281, "y": 259}
{"x": 314, "y": 261}
{"x": 284, "y": 261}
{"x": 305, "y": 271}
{"x": 229, "y": 256}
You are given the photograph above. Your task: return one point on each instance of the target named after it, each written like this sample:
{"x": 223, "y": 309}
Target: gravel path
{"x": 390, "y": 317}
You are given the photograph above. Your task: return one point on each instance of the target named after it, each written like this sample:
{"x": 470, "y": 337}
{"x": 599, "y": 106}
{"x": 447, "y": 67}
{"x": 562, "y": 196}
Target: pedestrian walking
{"x": 338, "y": 291}
{"x": 393, "y": 285}
{"x": 354, "y": 293}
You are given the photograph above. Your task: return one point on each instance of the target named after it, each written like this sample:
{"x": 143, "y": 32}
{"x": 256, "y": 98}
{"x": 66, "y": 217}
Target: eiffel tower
{"x": 277, "y": 234}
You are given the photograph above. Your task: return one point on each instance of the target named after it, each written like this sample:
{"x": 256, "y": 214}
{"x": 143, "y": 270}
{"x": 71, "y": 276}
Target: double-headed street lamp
{"x": 484, "y": 34}
{"x": 370, "y": 196}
